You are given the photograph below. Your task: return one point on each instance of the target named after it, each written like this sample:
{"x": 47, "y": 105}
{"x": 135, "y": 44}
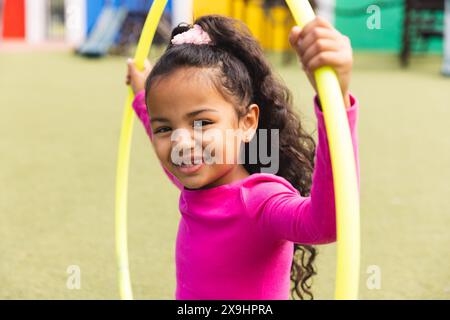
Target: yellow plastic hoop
{"x": 341, "y": 151}
{"x": 123, "y": 161}
{"x": 344, "y": 168}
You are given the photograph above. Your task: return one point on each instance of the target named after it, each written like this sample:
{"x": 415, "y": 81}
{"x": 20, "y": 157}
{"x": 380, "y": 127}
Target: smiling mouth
{"x": 190, "y": 166}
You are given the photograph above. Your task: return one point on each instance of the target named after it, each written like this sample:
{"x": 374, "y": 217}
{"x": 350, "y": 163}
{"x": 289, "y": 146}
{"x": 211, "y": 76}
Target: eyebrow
{"x": 188, "y": 115}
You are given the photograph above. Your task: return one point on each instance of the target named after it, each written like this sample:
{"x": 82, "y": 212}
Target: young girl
{"x": 241, "y": 228}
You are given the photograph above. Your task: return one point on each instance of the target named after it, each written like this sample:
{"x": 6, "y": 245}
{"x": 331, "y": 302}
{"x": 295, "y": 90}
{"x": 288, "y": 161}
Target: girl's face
{"x": 193, "y": 123}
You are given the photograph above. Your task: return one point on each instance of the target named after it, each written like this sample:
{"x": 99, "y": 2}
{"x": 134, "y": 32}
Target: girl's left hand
{"x": 135, "y": 78}
{"x": 320, "y": 44}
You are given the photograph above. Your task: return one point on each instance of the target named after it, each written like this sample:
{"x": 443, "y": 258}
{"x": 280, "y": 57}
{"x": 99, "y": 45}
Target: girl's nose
{"x": 183, "y": 138}
{"x": 186, "y": 141}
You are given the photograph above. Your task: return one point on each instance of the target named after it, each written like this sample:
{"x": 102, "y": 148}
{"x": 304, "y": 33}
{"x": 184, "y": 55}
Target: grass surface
{"x": 59, "y": 128}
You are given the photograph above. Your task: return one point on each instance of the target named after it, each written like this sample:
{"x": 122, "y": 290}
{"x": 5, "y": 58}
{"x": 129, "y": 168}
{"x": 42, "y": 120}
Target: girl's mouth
{"x": 190, "y": 167}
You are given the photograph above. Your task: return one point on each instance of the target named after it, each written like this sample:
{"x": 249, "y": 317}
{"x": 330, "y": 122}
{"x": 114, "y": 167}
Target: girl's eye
{"x": 202, "y": 123}
{"x": 162, "y": 130}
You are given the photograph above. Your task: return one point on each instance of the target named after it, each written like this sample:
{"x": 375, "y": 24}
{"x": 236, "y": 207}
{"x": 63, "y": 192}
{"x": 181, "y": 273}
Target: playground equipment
{"x": 13, "y": 21}
{"x": 105, "y": 32}
{"x": 84, "y": 21}
{"x": 31, "y": 20}
{"x": 36, "y": 13}
{"x": 116, "y": 26}
{"x": 75, "y": 22}
{"x": 269, "y": 22}
{"x": 341, "y": 150}
{"x": 72, "y": 21}
{"x": 181, "y": 12}
{"x": 420, "y": 26}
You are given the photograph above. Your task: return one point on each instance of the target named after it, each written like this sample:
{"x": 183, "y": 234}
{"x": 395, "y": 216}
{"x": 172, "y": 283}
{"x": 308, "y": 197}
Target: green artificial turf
{"x": 59, "y": 128}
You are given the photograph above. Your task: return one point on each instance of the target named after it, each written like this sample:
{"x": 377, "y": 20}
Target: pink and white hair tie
{"x": 195, "y": 35}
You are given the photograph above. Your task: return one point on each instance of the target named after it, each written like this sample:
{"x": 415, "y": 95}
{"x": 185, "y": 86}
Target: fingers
{"x": 133, "y": 70}
{"x": 317, "y": 22}
{"x": 130, "y": 71}
{"x": 131, "y": 67}
{"x": 135, "y": 76}
{"x": 294, "y": 35}
{"x": 301, "y": 39}
{"x": 300, "y": 33}
{"x": 314, "y": 36}
{"x": 328, "y": 58}
{"x": 319, "y": 44}
{"x": 317, "y": 47}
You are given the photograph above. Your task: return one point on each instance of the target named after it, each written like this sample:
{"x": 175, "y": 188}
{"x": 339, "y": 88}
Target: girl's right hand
{"x": 320, "y": 44}
{"x": 135, "y": 78}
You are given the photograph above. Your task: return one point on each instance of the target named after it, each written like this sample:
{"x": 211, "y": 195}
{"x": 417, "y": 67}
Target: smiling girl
{"x": 244, "y": 233}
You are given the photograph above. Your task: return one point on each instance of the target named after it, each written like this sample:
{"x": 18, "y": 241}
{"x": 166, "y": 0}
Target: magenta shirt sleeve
{"x": 285, "y": 214}
{"x": 140, "y": 109}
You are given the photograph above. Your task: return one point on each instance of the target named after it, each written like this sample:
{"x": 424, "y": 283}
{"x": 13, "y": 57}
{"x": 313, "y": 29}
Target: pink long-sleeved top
{"x": 235, "y": 241}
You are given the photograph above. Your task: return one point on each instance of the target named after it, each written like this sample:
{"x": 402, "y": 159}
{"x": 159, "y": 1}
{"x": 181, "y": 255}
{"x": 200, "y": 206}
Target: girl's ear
{"x": 249, "y": 122}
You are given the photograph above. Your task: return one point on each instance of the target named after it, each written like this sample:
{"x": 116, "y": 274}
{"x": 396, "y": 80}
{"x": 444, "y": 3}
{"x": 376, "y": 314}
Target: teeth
{"x": 189, "y": 164}
{"x": 192, "y": 162}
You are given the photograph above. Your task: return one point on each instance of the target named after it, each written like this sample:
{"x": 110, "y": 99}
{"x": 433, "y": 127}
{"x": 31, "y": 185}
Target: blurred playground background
{"x": 62, "y": 74}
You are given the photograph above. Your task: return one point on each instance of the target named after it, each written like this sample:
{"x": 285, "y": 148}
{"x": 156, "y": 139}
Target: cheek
{"x": 212, "y": 145}
{"x": 231, "y": 146}
{"x": 162, "y": 149}
{"x": 222, "y": 145}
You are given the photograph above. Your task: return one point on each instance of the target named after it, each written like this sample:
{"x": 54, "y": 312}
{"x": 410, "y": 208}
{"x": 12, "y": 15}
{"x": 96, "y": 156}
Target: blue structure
{"x": 105, "y": 20}
{"x": 104, "y": 32}
{"x": 95, "y": 7}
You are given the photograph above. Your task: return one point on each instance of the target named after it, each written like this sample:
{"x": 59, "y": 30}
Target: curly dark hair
{"x": 244, "y": 76}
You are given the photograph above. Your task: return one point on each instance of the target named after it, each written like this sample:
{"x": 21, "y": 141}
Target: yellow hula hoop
{"x": 341, "y": 150}
{"x": 123, "y": 161}
{"x": 344, "y": 168}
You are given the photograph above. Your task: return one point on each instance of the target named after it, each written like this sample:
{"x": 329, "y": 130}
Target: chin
{"x": 202, "y": 179}
{"x": 193, "y": 182}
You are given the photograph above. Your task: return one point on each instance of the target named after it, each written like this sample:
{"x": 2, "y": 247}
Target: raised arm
{"x": 140, "y": 109}
{"x": 285, "y": 214}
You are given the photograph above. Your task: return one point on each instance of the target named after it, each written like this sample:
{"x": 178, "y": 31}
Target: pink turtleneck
{"x": 235, "y": 241}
